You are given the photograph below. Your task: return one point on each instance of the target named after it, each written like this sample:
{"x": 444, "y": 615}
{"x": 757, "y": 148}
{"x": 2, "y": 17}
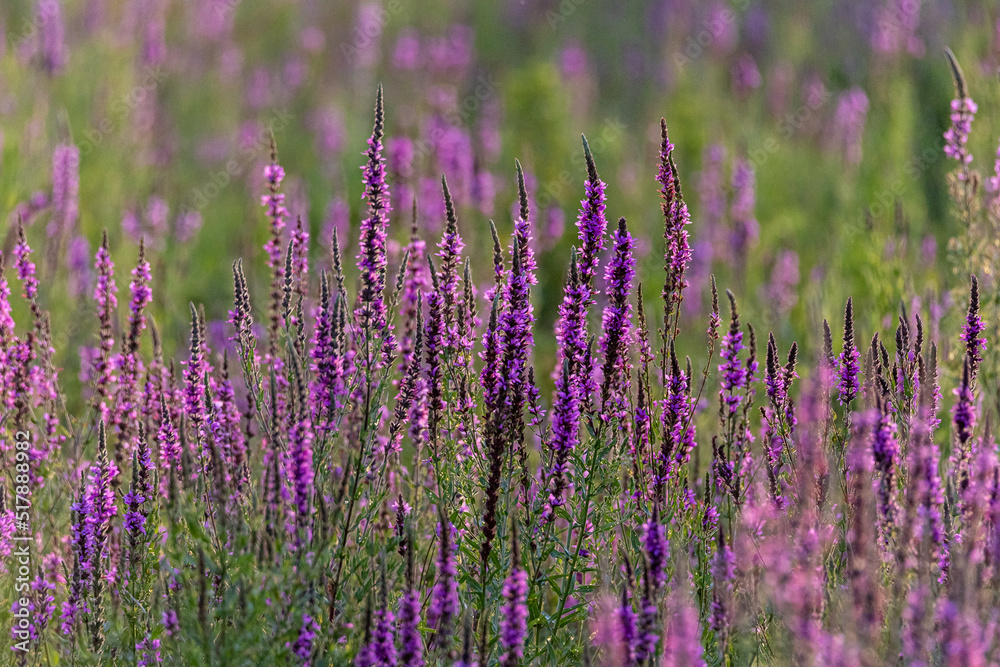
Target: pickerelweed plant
{"x": 375, "y": 478}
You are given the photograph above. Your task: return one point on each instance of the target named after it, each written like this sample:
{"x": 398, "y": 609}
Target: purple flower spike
{"x": 6, "y": 341}
{"x": 885, "y": 451}
{"x": 617, "y": 322}
{"x": 734, "y": 376}
{"x": 514, "y": 613}
{"x": 415, "y": 283}
{"x": 628, "y": 627}
{"x": 522, "y": 229}
{"x": 302, "y": 472}
{"x": 591, "y": 222}
{"x": 105, "y": 294}
{"x": 723, "y": 572}
{"x": 682, "y": 635}
{"x": 52, "y": 36}
{"x": 676, "y": 219}
{"x": 194, "y": 378}
{"x": 148, "y": 652}
{"x": 409, "y": 630}
{"x": 450, "y": 252}
{"x": 964, "y": 420}
{"x": 327, "y": 365}
{"x": 274, "y": 202}
{"x": 434, "y": 342}
{"x": 971, "y": 330}
{"x": 127, "y": 395}
{"x": 848, "y": 370}
{"x": 444, "y": 606}
{"x": 657, "y": 550}
{"x": 412, "y": 653}
{"x": 25, "y": 267}
{"x": 956, "y": 138}
{"x": 491, "y": 376}
{"x": 372, "y": 252}
{"x": 65, "y": 189}
{"x": 383, "y": 641}
{"x": 566, "y": 407}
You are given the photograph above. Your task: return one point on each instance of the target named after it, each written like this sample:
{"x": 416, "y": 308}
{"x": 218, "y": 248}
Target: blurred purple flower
{"x": 746, "y": 76}
{"x": 406, "y": 55}
{"x": 849, "y": 124}
{"x": 782, "y": 290}
{"x": 956, "y": 138}
{"x": 51, "y": 35}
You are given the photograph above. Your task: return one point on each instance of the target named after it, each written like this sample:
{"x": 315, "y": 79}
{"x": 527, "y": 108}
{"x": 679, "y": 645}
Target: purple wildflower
{"x": 303, "y": 647}
{"x": 444, "y": 606}
{"x": 327, "y": 363}
{"x": 956, "y": 138}
{"x": 993, "y": 184}
{"x": 849, "y": 124}
{"x": 42, "y": 604}
{"x": 371, "y": 255}
{"x": 383, "y": 642}
{"x": 194, "y": 378}
{"x": 569, "y": 386}
{"x": 80, "y": 277}
{"x": 415, "y": 282}
{"x": 412, "y": 653}
{"x": 848, "y": 370}
{"x": 274, "y": 202}
{"x": 782, "y": 290}
{"x": 657, "y": 550}
{"x": 591, "y": 223}
{"x": 169, "y": 445}
{"x": 885, "y": 452}
{"x": 617, "y": 320}
{"x": 514, "y": 615}
{"x": 409, "y": 630}
{"x": 522, "y": 229}
{"x": 107, "y": 302}
{"x": 134, "y": 521}
{"x": 723, "y": 572}
{"x": 80, "y": 539}
{"x": 491, "y": 377}
{"x": 52, "y": 36}
{"x": 7, "y": 340}
{"x": 24, "y": 266}
{"x": 301, "y": 471}
{"x": 300, "y": 263}
{"x": 450, "y": 252}
{"x": 571, "y": 329}
{"x": 148, "y": 652}
{"x": 187, "y": 224}
{"x": 925, "y": 479}
{"x": 628, "y": 627}
{"x": 434, "y": 342}
{"x": 682, "y": 635}
{"x": 65, "y": 189}
{"x": 964, "y": 420}
{"x": 971, "y": 330}
{"x": 895, "y": 28}
{"x": 734, "y": 376}
{"x": 677, "y": 421}
{"x": 127, "y": 395}
{"x": 676, "y": 219}
{"x": 745, "y": 227}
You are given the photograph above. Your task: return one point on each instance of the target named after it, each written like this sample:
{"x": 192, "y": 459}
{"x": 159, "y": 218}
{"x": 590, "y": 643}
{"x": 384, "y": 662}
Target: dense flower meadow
{"x": 379, "y": 459}
{"x": 376, "y": 478}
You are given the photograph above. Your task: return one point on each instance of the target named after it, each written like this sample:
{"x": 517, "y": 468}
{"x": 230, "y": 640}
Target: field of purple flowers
{"x": 444, "y": 425}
